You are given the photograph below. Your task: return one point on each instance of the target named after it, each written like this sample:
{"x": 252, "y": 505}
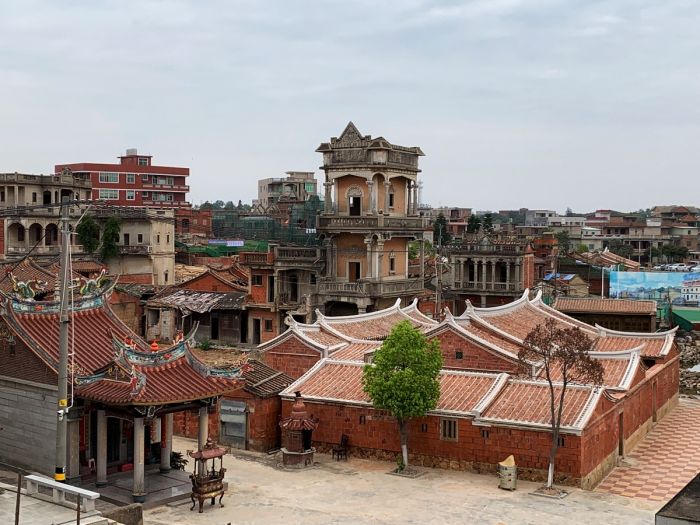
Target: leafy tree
{"x": 487, "y": 223}
{"x": 240, "y": 204}
{"x": 674, "y": 252}
{"x": 110, "y": 238}
{"x": 229, "y": 205}
{"x": 440, "y": 233}
{"x": 569, "y": 212}
{"x": 206, "y": 205}
{"x": 473, "y": 224}
{"x": 619, "y": 248}
{"x": 563, "y": 357}
{"x": 218, "y": 205}
{"x": 88, "y": 234}
{"x": 581, "y": 248}
{"x": 563, "y": 241}
{"x": 403, "y": 377}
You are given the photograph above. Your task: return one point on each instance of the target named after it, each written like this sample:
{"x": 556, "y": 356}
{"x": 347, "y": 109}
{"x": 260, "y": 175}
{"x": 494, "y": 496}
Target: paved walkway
{"x": 664, "y": 462}
{"x": 361, "y": 491}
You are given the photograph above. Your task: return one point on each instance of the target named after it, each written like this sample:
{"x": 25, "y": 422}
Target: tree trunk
{"x": 403, "y": 433}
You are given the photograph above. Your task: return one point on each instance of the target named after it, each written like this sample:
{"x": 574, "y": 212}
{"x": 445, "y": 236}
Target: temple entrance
{"x": 114, "y": 434}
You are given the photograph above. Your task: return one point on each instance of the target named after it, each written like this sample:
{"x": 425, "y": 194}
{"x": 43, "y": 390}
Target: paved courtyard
{"x": 361, "y": 491}
{"x": 664, "y": 462}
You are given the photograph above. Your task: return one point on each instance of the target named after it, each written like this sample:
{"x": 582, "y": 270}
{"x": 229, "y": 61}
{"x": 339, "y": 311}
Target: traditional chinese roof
{"x": 263, "y": 381}
{"x": 605, "y": 306}
{"x": 26, "y": 270}
{"x": 111, "y": 363}
{"x": 486, "y": 397}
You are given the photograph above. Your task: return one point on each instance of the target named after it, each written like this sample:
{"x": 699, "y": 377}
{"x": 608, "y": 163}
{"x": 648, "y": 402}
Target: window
{"x": 484, "y": 433}
{"x": 459, "y": 354}
{"x": 2, "y": 196}
{"x": 144, "y": 177}
{"x": 109, "y": 177}
{"x": 144, "y": 194}
{"x": 130, "y": 195}
{"x": 130, "y": 178}
{"x": 167, "y": 239}
{"x": 391, "y": 199}
{"x": 270, "y": 288}
{"x": 424, "y": 427}
{"x": 158, "y": 238}
{"x": 257, "y": 280}
{"x": 561, "y": 441}
{"x": 139, "y": 238}
{"x": 164, "y": 180}
{"x": 448, "y": 429}
{"x": 143, "y": 161}
{"x": 109, "y": 195}
{"x": 363, "y": 419}
{"x": 392, "y": 264}
{"x": 268, "y": 325}
{"x": 312, "y": 278}
{"x": 33, "y": 196}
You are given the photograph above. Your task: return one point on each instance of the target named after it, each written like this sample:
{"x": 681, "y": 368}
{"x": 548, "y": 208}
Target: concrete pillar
{"x": 483, "y": 276}
{"x": 370, "y": 270}
{"x": 203, "y": 428}
{"x": 328, "y": 206}
{"x": 414, "y": 199}
{"x": 73, "y": 451}
{"x": 508, "y": 284}
{"x": 166, "y": 441}
{"x": 387, "y": 185}
{"x": 101, "y": 460}
{"x": 409, "y": 206}
{"x": 493, "y": 275}
{"x": 372, "y": 197}
{"x": 380, "y": 259}
{"x": 139, "y": 490}
{"x": 517, "y": 276}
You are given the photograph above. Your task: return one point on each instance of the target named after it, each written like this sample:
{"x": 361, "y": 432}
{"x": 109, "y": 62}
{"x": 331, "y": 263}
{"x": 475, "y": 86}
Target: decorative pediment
{"x": 350, "y": 137}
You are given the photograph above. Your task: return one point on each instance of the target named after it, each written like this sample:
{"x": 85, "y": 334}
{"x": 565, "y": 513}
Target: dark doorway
{"x": 334, "y": 308}
{"x": 621, "y": 441}
{"x": 293, "y": 288}
{"x": 214, "y": 325}
{"x": 353, "y": 271}
{"x": 114, "y": 434}
{"x": 126, "y": 239}
{"x": 46, "y": 197}
{"x": 355, "y": 206}
{"x": 306, "y": 439}
{"x": 244, "y": 327}
{"x": 256, "y": 331}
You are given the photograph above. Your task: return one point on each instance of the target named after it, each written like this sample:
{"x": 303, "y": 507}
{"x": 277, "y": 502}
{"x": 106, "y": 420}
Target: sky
{"x": 516, "y": 103}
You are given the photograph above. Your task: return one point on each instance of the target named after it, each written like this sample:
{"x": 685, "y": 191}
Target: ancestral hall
{"x": 486, "y": 410}
{"x": 122, "y": 393}
{"x": 370, "y": 216}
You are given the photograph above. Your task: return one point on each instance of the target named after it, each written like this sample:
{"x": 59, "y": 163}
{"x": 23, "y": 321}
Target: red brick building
{"x": 485, "y": 412}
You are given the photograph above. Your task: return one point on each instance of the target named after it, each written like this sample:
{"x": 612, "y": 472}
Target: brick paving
{"x": 664, "y": 462}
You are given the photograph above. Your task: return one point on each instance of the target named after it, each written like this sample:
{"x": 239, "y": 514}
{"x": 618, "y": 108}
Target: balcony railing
{"x": 136, "y": 249}
{"x": 297, "y": 254}
{"x": 39, "y": 250}
{"x": 372, "y": 222}
{"x": 248, "y": 258}
{"x": 488, "y": 287}
{"x": 371, "y": 288}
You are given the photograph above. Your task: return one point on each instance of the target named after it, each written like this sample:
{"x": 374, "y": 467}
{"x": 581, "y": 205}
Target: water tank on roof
{"x": 131, "y": 151}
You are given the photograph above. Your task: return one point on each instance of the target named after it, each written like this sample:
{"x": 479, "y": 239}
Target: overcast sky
{"x": 516, "y": 103}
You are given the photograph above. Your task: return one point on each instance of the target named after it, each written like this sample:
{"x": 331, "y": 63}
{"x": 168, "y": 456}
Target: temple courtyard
{"x": 361, "y": 491}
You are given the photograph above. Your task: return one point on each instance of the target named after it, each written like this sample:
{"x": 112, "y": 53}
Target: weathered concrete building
{"x": 370, "y": 216}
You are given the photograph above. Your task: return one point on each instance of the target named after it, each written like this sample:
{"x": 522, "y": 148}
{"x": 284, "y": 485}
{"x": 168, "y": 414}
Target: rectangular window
{"x": 144, "y": 177}
{"x": 2, "y": 196}
{"x": 33, "y": 196}
{"x": 167, "y": 239}
{"x": 143, "y": 161}
{"x": 164, "y": 180}
{"x": 130, "y": 178}
{"x": 391, "y": 200}
{"x": 268, "y": 325}
{"x": 109, "y": 195}
{"x": 158, "y": 238}
{"x": 561, "y": 441}
{"x": 392, "y": 264}
{"x": 109, "y": 177}
{"x": 424, "y": 427}
{"x": 363, "y": 419}
{"x": 270, "y": 288}
{"x": 139, "y": 238}
{"x": 459, "y": 354}
{"x": 144, "y": 194}
{"x": 484, "y": 433}
{"x": 257, "y": 280}
{"x": 312, "y": 278}
{"x": 448, "y": 429}
{"x": 130, "y": 195}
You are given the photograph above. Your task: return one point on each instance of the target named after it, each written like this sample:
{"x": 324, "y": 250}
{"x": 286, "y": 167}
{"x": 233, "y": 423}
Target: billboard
{"x": 663, "y": 287}
{"x": 235, "y": 243}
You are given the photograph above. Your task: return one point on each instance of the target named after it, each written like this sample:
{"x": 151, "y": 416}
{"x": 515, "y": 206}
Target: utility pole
{"x": 62, "y": 412}
{"x": 438, "y": 267}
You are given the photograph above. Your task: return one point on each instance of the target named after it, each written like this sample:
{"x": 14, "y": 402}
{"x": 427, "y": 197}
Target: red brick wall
{"x": 22, "y": 363}
{"x": 291, "y": 357}
{"x": 128, "y": 308}
{"x": 258, "y": 293}
{"x": 186, "y": 423}
{"x": 472, "y": 450}
{"x": 528, "y": 271}
{"x": 139, "y": 278}
{"x": 207, "y": 283}
{"x": 473, "y": 356}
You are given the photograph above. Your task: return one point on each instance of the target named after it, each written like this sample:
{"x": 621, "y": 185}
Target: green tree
{"x": 619, "y": 248}
{"x": 88, "y": 234}
{"x": 219, "y": 204}
{"x": 581, "y": 248}
{"x": 563, "y": 241}
{"x": 563, "y": 357}
{"x": 440, "y": 233}
{"x": 473, "y": 223}
{"x": 569, "y": 212}
{"x": 404, "y": 377}
{"x": 206, "y": 205}
{"x": 110, "y": 238}
{"x": 487, "y": 223}
{"x": 229, "y": 205}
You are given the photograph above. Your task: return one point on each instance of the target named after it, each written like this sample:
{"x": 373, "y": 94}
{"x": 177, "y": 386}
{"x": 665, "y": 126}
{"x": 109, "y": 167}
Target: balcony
{"x": 39, "y": 250}
{"x": 372, "y": 222}
{"x": 136, "y": 249}
{"x": 488, "y": 287}
{"x": 256, "y": 258}
{"x": 370, "y": 288}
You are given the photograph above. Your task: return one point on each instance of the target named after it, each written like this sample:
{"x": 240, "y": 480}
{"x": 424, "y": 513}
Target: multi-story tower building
{"x": 370, "y": 216}
{"x": 296, "y": 186}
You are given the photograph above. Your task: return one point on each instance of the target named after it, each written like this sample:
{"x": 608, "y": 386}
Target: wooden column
{"x": 166, "y": 441}
{"x": 139, "y": 488}
{"x": 101, "y": 460}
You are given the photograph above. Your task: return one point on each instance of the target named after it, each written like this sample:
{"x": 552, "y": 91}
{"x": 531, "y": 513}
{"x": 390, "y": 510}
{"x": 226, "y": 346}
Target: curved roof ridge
{"x": 292, "y": 330}
{"x": 504, "y": 307}
{"x": 538, "y": 303}
{"x": 491, "y": 393}
{"x": 617, "y": 354}
{"x": 489, "y": 326}
{"x": 422, "y": 318}
{"x": 604, "y": 332}
{"x": 468, "y": 311}
{"x": 588, "y": 408}
{"x": 359, "y": 317}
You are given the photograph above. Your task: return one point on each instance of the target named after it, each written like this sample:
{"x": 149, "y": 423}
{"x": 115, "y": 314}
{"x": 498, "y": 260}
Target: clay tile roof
{"x": 200, "y": 302}
{"x": 617, "y": 371}
{"x": 651, "y": 346}
{"x": 354, "y": 351}
{"x": 599, "y": 305}
{"x": 371, "y": 327}
{"x": 481, "y": 331}
{"x": 461, "y": 392}
{"x": 528, "y": 402}
{"x": 263, "y": 381}
{"x": 25, "y": 271}
{"x": 320, "y": 336}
